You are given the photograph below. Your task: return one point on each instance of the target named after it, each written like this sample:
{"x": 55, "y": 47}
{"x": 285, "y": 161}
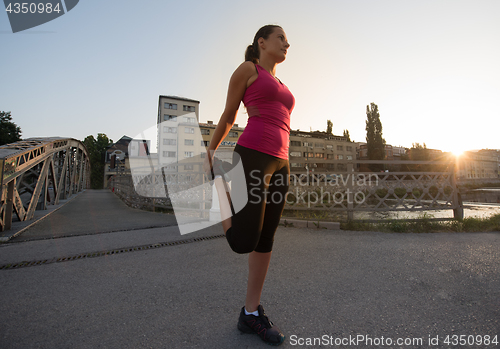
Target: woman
{"x": 263, "y": 152}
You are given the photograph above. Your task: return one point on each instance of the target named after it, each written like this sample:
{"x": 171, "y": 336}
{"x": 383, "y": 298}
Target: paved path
{"x": 94, "y": 211}
{"x": 188, "y": 295}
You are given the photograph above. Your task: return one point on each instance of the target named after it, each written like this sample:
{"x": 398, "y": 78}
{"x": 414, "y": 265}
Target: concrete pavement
{"x": 321, "y": 284}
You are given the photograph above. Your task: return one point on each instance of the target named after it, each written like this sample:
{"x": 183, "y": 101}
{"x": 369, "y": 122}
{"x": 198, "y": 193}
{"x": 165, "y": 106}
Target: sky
{"x": 430, "y": 66}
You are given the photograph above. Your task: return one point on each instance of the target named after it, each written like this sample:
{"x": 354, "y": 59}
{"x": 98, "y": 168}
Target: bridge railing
{"x": 396, "y": 186}
{"x": 38, "y": 172}
{"x": 356, "y": 186}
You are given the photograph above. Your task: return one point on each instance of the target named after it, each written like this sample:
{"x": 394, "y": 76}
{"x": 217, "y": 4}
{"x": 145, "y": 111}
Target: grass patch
{"x": 318, "y": 215}
{"x": 425, "y": 224}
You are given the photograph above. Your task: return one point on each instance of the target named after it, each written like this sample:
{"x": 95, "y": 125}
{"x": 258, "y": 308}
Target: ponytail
{"x": 252, "y": 52}
{"x": 251, "y": 55}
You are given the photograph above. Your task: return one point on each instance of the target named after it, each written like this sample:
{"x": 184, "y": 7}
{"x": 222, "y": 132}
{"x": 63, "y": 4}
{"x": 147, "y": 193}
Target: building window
{"x": 330, "y": 156}
{"x": 205, "y": 131}
{"x": 205, "y": 143}
{"x": 188, "y": 120}
{"x": 318, "y": 145}
{"x": 172, "y": 106}
{"x": 349, "y": 157}
{"x": 188, "y": 108}
{"x": 340, "y": 157}
{"x": 167, "y": 117}
{"x": 340, "y": 147}
{"x": 170, "y": 142}
{"x": 169, "y": 154}
{"x": 169, "y": 129}
{"x": 188, "y": 142}
{"x": 232, "y": 134}
{"x": 189, "y": 130}
{"x": 329, "y": 146}
{"x": 296, "y": 164}
{"x": 308, "y": 155}
{"x": 320, "y": 155}
{"x": 202, "y": 155}
{"x": 348, "y": 148}
{"x": 307, "y": 144}
{"x": 188, "y": 154}
{"x": 295, "y": 143}
{"x": 295, "y": 153}
{"x": 188, "y": 167}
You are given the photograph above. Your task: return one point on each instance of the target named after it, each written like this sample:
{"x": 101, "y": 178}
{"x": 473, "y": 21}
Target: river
{"x": 478, "y": 203}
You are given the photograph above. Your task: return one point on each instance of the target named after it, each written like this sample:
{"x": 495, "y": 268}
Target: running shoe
{"x": 260, "y": 325}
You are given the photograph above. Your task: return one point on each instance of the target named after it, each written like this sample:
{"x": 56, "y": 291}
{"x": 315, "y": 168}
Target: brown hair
{"x": 252, "y": 52}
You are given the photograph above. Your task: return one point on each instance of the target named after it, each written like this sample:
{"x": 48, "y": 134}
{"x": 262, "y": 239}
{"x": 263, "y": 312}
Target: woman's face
{"x": 276, "y": 45}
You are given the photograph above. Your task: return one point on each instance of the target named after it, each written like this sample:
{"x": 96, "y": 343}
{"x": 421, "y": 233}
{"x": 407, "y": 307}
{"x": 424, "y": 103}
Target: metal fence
{"x": 395, "y": 186}
{"x": 359, "y": 189}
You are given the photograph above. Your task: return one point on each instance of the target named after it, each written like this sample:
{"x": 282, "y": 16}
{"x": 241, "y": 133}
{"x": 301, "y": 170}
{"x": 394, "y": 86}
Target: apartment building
{"x": 308, "y": 151}
{"x": 391, "y": 152}
{"x": 483, "y": 164}
{"x": 225, "y": 150}
{"x": 315, "y": 152}
{"x": 179, "y": 137}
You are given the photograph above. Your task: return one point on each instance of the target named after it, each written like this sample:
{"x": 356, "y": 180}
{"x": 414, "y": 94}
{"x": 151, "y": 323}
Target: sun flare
{"x": 457, "y": 152}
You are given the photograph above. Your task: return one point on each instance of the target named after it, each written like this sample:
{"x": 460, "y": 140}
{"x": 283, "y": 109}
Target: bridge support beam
{"x": 38, "y": 172}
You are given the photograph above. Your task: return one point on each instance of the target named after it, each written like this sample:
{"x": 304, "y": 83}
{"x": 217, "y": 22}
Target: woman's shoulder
{"x": 247, "y": 68}
{"x": 246, "y": 73}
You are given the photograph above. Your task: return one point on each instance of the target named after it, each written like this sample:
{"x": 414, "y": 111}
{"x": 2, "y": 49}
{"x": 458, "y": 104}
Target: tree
{"x": 329, "y": 127}
{"x": 96, "y": 149}
{"x": 346, "y": 135}
{"x": 375, "y": 143}
{"x": 419, "y": 152}
{"x": 9, "y": 131}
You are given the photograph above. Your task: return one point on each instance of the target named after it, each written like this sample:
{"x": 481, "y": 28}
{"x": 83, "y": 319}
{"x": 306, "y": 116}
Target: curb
{"x": 298, "y": 223}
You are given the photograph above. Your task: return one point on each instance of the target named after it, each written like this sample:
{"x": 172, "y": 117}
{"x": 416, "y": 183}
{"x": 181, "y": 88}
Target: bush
{"x": 400, "y": 192}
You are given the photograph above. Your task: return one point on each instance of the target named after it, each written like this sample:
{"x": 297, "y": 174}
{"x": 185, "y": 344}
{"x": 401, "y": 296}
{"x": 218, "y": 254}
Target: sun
{"x": 458, "y": 152}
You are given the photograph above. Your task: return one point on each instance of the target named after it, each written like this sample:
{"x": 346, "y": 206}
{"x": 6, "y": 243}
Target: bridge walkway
{"x": 115, "y": 277}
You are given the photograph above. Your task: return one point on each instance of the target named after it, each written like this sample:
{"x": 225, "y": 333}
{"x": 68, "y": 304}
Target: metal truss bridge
{"x": 37, "y": 172}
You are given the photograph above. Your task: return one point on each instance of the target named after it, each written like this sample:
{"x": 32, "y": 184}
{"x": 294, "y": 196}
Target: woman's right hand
{"x": 207, "y": 165}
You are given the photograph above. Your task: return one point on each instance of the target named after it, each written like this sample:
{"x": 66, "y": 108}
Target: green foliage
{"x": 359, "y": 226}
{"x": 398, "y": 226}
{"x": 346, "y": 135}
{"x": 9, "y": 131}
{"x": 329, "y": 127}
{"x": 416, "y": 193}
{"x": 97, "y": 149}
{"x": 400, "y": 192}
{"x": 375, "y": 143}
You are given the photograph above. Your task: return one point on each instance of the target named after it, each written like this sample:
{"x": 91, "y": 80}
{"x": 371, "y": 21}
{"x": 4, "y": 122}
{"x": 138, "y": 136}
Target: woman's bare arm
{"x": 236, "y": 90}
{"x": 237, "y": 86}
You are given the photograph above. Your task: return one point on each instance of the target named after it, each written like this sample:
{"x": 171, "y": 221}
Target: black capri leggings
{"x": 266, "y": 185}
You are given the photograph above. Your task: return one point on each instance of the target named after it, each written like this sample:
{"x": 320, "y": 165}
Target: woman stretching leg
{"x": 263, "y": 152}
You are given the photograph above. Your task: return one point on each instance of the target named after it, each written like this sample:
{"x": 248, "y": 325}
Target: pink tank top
{"x": 269, "y": 104}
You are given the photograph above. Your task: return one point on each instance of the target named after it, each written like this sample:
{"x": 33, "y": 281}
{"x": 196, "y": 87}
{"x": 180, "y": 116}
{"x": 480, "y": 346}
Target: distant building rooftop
{"x": 180, "y": 98}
